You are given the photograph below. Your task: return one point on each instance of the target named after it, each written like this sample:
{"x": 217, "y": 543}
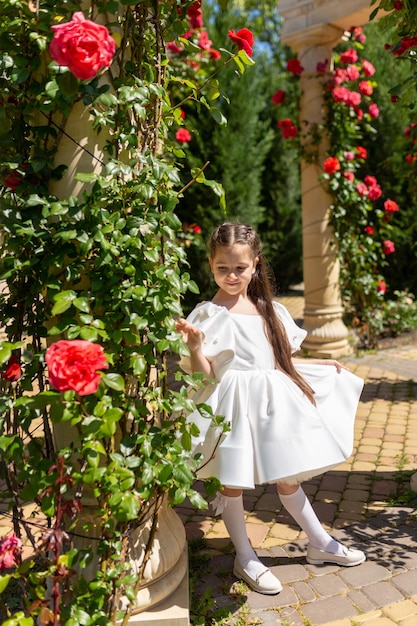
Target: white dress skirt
{"x": 276, "y": 433}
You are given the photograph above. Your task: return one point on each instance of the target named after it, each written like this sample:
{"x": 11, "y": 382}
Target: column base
{"x": 327, "y": 336}
{"x": 173, "y": 611}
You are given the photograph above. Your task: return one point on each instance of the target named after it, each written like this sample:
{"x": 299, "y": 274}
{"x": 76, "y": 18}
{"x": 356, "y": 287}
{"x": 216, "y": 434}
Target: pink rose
{"x": 340, "y": 94}
{"x": 83, "y": 46}
{"x": 350, "y": 176}
{"x": 368, "y": 68}
{"x": 243, "y": 39}
{"x": 391, "y": 206}
{"x": 353, "y": 99}
{"x": 204, "y": 42}
{"x": 366, "y": 88}
{"x": 352, "y": 72}
{"x": 350, "y": 56}
{"x": 10, "y": 550}
{"x": 362, "y": 189}
{"x": 183, "y": 135}
{"x": 75, "y": 365}
{"x": 195, "y": 15}
{"x": 388, "y": 246}
{"x": 294, "y": 66}
{"x": 373, "y": 110}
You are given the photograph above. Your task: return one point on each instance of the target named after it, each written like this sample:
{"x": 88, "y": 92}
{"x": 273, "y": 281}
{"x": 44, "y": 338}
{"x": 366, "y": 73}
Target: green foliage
{"x": 94, "y": 251}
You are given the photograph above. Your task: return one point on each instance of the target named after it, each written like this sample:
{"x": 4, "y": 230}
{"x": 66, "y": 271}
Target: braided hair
{"x": 260, "y": 292}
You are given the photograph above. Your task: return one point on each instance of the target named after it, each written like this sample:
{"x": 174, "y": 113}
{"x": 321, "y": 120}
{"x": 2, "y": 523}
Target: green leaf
{"x": 114, "y": 381}
{"x": 4, "y": 581}
{"x": 63, "y": 301}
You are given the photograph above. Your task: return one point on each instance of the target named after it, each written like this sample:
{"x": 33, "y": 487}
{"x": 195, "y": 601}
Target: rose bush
{"x": 93, "y": 265}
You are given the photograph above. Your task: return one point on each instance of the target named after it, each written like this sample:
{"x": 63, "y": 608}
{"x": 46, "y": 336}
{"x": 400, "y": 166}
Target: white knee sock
{"x": 299, "y": 507}
{"x": 233, "y": 516}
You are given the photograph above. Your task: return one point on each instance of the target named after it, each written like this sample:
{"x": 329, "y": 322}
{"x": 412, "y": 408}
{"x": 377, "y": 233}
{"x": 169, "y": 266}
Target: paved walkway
{"x": 366, "y": 502}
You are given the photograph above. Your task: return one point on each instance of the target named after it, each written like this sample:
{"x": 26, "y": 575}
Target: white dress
{"x": 276, "y": 433}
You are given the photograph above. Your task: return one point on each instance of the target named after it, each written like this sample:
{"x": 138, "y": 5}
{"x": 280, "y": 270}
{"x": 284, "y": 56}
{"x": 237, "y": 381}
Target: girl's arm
{"x": 193, "y": 338}
{"x": 337, "y": 365}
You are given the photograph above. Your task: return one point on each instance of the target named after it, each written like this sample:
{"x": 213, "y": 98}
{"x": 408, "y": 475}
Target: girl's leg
{"x": 322, "y": 547}
{"x": 247, "y": 565}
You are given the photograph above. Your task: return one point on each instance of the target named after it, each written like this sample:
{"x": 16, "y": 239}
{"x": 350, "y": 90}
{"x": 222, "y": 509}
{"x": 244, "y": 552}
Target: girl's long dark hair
{"x": 261, "y": 293}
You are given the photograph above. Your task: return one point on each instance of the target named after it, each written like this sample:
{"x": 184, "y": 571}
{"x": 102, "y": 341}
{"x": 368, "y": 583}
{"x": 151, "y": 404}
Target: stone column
{"x": 328, "y": 336}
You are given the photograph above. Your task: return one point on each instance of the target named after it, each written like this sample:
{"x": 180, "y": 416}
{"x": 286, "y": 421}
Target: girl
{"x": 290, "y": 419}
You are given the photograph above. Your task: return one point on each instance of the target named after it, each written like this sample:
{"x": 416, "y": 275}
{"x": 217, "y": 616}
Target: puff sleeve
{"x": 218, "y": 341}
{"x": 296, "y": 335}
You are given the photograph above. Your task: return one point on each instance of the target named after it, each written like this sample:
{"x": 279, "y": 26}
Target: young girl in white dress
{"x": 290, "y": 419}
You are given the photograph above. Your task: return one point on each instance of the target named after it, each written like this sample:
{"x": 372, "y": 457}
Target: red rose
{"x": 340, "y": 94}
{"x": 215, "y": 54}
{"x": 175, "y": 47}
{"x": 195, "y": 15}
{"x": 374, "y": 192}
{"x": 382, "y": 286}
{"x": 183, "y": 135}
{"x": 13, "y": 371}
{"x": 12, "y": 181}
{"x": 197, "y": 229}
{"x": 288, "y": 130}
{"x": 391, "y": 206}
{"x": 350, "y": 56}
{"x": 370, "y": 180}
{"x": 74, "y": 365}
{"x": 398, "y": 5}
{"x": 388, "y": 246}
{"x": 83, "y": 46}
{"x": 243, "y": 39}
{"x": 368, "y": 68}
{"x": 410, "y": 159}
{"x": 294, "y": 66}
{"x": 361, "y": 152}
{"x": 278, "y": 97}
{"x": 203, "y": 41}
{"x": 350, "y": 176}
{"x": 331, "y": 165}
{"x": 369, "y": 230}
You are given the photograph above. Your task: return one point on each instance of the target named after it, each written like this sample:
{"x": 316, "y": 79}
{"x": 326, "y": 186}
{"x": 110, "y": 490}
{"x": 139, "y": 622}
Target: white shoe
{"x": 265, "y": 582}
{"x": 349, "y": 558}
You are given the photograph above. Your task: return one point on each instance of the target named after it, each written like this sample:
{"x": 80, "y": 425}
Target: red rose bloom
{"x": 352, "y": 72}
{"x": 362, "y": 189}
{"x": 203, "y": 41}
{"x": 214, "y": 54}
{"x": 369, "y": 230}
{"x": 83, "y": 46}
{"x": 374, "y": 192}
{"x": 388, "y": 246}
{"x": 195, "y": 15}
{"x": 331, "y": 165}
{"x": 340, "y": 94}
{"x": 350, "y": 176}
{"x": 183, "y": 135}
{"x": 278, "y": 97}
{"x": 197, "y": 229}
{"x": 361, "y": 152}
{"x": 74, "y": 365}
{"x": 353, "y": 99}
{"x": 288, "y": 130}
{"x": 12, "y": 181}
{"x": 350, "y": 56}
{"x": 294, "y": 66}
{"x": 391, "y": 206}
{"x": 13, "y": 371}
{"x": 370, "y": 180}
{"x": 243, "y": 39}
{"x": 382, "y": 286}
{"x": 398, "y": 5}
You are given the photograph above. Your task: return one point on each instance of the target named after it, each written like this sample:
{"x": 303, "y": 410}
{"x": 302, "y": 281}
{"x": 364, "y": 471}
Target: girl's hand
{"x": 191, "y": 335}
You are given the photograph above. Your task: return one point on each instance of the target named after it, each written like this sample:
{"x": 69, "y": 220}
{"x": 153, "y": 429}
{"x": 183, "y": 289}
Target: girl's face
{"x": 233, "y": 268}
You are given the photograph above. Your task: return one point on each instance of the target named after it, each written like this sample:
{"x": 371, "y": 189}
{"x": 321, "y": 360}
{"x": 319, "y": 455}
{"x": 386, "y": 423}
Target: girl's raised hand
{"x": 192, "y": 335}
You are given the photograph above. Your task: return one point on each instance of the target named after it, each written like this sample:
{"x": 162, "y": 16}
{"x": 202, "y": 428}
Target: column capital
{"x": 326, "y": 35}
